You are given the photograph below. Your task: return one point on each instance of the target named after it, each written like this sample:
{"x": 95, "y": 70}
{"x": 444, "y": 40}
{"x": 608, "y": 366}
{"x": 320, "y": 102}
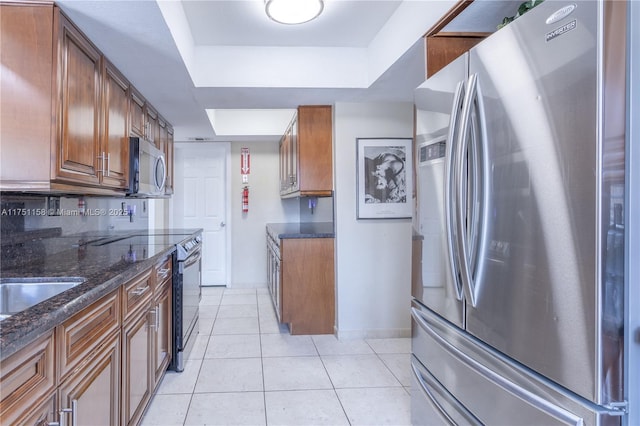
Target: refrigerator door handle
{"x": 450, "y": 224}
{"x": 433, "y": 389}
{"x": 478, "y": 200}
{"x": 535, "y": 400}
{"x": 461, "y": 152}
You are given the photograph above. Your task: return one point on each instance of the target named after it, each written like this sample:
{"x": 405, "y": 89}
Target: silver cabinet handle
{"x": 140, "y": 290}
{"x": 164, "y": 272}
{"x": 101, "y": 159}
{"x": 108, "y": 163}
{"x": 156, "y": 323}
{"x": 63, "y": 415}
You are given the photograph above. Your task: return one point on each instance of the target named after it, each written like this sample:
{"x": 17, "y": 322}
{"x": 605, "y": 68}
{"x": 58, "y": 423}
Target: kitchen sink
{"x": 18, "y": 294}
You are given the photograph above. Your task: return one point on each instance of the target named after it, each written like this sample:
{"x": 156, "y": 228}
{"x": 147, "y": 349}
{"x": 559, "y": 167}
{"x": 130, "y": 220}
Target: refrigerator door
{"x": 438, "y": 102}
{"x": 537, "y": 275}
{"x": 477, "y": 385}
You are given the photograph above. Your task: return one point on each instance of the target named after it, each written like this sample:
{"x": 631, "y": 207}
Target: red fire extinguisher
{"x": 245, "y": 199}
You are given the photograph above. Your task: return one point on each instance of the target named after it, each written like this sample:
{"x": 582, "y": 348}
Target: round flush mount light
{"x": 293, "y": 11}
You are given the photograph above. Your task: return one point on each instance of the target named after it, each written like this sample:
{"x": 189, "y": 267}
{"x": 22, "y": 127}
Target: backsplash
{"x": 74, "y": 214}
{"x": 316, "y": 209}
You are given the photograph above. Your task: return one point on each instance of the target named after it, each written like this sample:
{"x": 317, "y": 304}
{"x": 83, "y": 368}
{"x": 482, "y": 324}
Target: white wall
{"x": 373, "y": 257}
{"x": 248, "y": 237}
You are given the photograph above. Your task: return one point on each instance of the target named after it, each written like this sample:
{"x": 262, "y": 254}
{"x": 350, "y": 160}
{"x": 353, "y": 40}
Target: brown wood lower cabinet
{"x": 307, "y": 289}
{"x": 27, "y": 383}
{"x": 137, "y": 347}
{"x": 136, "y": 367}
{"x": 41, "y": 415}
{"x": 91, "y": 394}
{"x": 162, "y": 332}
{"x": 100, "y": 366}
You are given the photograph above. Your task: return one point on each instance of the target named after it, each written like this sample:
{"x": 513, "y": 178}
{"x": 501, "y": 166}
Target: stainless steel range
{"x": 187, "y": 274}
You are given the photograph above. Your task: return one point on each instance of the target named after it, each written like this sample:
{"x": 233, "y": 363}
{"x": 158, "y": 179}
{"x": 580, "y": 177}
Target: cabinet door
{"x": 315, "y": 155}
{"x": 93, "y": 390}
{"x": 153, "y": 128}
{"x": 293, "y": 156}
{"x": 136, "y": 115}
{"x": 41, "y": 415}
{"x": 283, "y": 165}
{"x": 136, "y": 367}
{"x": 26, "y": 38}
{"x": 168, "y": 188}
{"x": 79, "y": 85}
{"x": 115, "y": 129}
{"x": 26, "y": 378}
{"x": 162, "y": 333}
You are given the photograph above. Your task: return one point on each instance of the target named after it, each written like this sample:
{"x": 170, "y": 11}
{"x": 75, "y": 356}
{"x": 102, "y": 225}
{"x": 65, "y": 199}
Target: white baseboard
{"x": 372, "y": 333}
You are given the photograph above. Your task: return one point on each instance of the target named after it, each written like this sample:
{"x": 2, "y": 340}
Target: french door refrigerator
{"x": 518, "y": 309}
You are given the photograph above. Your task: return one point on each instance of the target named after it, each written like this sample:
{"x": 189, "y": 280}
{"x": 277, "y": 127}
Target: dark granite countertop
{"x": 105, "y": 259}
{"x": 301, "y": 230}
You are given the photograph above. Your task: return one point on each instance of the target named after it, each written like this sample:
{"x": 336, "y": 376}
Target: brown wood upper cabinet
{"x": 137, "y": 115}
{"x": 66, "y": 111}
{"x": 79, "y": 85}
{"x": 306, "y": 159}
{"x": 114, "y": 153}
{"x": 442, "y": 47}
{"x": 153, "y": 128}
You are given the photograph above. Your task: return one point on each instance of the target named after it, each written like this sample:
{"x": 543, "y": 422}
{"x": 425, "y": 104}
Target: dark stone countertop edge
{"x": 295, "y": 230}
{"x": 32, "y": 323}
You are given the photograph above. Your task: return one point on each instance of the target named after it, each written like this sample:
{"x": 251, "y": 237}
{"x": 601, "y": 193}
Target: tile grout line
{"x": 204, "y": 354}
{"x": 332, "y": 384}
{"x": 264, "y": 393}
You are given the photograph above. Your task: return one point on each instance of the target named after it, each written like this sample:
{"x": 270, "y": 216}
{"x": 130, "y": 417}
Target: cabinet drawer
{"x": 84, "y": 332}
{"x": 136, "y": 293}
{"x": 163, "y": 272}
{"x": 27, "y": 378}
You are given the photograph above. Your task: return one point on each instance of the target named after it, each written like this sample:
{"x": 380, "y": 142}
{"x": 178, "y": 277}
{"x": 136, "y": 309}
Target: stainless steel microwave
{"x": 147, "y": 169}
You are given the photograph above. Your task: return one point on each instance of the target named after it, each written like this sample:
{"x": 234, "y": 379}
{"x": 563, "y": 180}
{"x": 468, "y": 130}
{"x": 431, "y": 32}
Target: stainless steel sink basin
{"x": 18, "y": 294}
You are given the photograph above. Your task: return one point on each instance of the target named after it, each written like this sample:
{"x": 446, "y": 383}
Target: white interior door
{"x": 200, "y": 201}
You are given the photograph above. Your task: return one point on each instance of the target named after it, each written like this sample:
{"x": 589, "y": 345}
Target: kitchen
{"x": 374, "y": 278}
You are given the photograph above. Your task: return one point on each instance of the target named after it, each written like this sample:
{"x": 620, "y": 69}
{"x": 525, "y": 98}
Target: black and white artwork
{"x": 384, "y": 178}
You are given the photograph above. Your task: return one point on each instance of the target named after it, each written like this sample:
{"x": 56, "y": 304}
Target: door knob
{"x": 222, "y": 224}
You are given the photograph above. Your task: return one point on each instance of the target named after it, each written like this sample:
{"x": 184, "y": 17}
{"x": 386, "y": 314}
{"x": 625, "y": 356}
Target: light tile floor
{"x": 246, "y": 369}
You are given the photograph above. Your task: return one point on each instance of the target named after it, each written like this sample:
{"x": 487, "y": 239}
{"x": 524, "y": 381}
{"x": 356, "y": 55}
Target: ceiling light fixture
{"x": 293, "y": 11}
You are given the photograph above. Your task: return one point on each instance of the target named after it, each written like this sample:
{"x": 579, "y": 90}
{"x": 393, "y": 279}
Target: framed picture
{"x": 384, "y": 178}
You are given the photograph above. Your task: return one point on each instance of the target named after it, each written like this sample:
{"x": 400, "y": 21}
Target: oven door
{"x": 191, "y": 270}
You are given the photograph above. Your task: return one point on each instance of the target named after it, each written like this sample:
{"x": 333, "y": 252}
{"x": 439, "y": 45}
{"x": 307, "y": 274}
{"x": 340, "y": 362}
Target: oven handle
{"x": 193, "y": 258}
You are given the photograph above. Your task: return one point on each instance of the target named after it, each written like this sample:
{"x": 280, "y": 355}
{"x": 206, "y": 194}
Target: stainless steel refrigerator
{"x": 519, "y": 296}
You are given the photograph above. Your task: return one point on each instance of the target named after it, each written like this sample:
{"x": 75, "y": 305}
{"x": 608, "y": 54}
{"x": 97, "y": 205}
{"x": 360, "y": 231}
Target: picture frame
{"x": 384, "y": 178}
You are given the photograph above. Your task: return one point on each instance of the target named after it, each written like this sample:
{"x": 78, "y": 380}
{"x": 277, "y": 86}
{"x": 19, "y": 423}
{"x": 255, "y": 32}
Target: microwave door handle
{"x": 160, "y": 163}
{"x": 449, "y": 202}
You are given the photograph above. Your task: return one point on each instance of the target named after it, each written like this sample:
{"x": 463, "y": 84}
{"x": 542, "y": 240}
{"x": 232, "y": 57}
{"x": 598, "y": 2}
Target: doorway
{"x": 200, "y": 200}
